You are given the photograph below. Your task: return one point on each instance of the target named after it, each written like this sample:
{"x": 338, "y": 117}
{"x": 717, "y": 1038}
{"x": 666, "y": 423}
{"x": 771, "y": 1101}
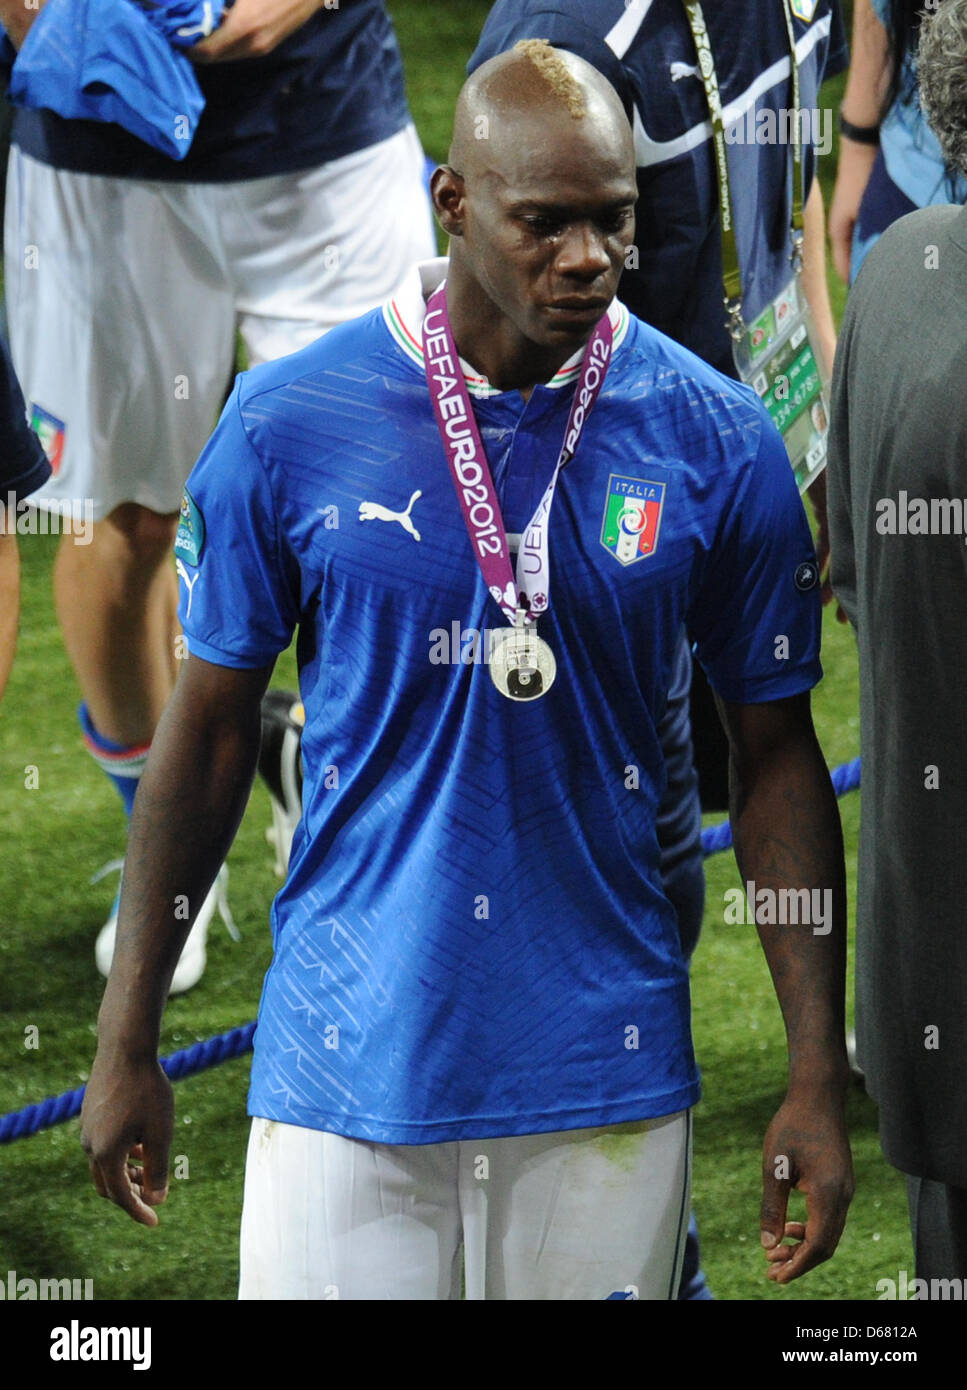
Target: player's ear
{"x": 448, "y": 191}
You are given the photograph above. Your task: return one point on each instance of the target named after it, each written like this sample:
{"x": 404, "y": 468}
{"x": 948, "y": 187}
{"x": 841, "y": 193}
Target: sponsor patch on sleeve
{"x": 807, "y": 576}
{"x": 190, "y": 539}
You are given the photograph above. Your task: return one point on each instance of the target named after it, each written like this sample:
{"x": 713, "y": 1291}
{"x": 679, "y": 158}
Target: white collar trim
{"x": 403, "y": 315}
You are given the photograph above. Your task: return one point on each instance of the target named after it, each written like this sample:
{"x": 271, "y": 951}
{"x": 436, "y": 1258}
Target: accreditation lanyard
{"x": 523, "y": 602}
{"x": 731, "y": 274}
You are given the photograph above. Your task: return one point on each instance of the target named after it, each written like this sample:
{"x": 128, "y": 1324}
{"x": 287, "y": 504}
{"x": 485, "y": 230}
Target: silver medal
{"x": 522, "y": 665}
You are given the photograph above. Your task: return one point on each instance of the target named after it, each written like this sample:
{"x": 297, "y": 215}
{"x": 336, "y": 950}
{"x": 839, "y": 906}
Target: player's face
{"x": 546, "y": 231}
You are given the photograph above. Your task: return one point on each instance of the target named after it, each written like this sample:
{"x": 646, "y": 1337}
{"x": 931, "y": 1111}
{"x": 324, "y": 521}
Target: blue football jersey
{"x": 646, "y": 50}
{"x": 473, "y": 939}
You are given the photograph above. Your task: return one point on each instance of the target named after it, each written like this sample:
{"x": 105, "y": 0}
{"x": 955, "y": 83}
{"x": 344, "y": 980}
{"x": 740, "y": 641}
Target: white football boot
{"x": 191, "y": 963}
{"x": 280, "y": 765}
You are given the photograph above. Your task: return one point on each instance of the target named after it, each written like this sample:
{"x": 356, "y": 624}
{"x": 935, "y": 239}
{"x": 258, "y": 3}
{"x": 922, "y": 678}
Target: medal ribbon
{"x": 470, "y": 471}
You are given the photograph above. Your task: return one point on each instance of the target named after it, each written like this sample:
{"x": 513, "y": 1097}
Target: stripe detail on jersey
{"x": 478, "y": 385}
{"x": 649, "y": 151}
{"x": 622, "y": 35}
{"x": 412, "y": 347}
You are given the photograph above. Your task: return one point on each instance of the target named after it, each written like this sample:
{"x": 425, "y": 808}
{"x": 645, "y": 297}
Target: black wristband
{"x": 862, "y": 134}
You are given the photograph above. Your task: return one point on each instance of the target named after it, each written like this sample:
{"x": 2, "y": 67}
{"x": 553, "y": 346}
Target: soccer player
{"x": 474, "y": 1032}
{"x": 23, "y": 469}
{"x": 299, "y": 204}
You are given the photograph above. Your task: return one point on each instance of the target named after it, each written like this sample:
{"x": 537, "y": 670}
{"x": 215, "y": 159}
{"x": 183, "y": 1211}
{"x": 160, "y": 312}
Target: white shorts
{"x": 123, "y": 298}
{"x": 583, "y": 1214}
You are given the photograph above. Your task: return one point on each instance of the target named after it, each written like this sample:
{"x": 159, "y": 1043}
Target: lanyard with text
{"x": 731, "y": 273}
{"x": 521, "y": 664}
{"x": 778, "y": 353}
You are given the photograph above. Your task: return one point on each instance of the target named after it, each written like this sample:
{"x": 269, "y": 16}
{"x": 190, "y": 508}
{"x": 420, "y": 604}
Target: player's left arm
{"x": 787, "y": 834}
{"x": 253, "y": 28}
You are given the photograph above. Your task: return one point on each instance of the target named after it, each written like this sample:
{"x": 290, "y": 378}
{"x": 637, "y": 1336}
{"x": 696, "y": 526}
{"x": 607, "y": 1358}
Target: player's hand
{"x": 806, "y": 1148}
{"x": 127, "y": 1121}
{"x": 252, "y": 28}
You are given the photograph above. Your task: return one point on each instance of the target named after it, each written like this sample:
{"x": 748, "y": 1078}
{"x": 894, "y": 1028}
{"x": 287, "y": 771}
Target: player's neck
{"x": 492, "y": 344}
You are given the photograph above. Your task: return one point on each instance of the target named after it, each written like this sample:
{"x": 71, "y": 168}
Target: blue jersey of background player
{"x": 23, "y": 469}
{"x": 333, "y": 86}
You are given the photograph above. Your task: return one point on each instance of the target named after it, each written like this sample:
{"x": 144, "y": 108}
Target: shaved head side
{"x": 532, "y": 82}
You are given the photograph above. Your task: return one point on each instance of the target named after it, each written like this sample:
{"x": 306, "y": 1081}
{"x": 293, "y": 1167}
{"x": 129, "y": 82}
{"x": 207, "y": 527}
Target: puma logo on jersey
{"x": 205, "y": 27}
{"x": 680, "y": 70}
{"x": 375, "y": 511}
{"x": 189, "y": 583}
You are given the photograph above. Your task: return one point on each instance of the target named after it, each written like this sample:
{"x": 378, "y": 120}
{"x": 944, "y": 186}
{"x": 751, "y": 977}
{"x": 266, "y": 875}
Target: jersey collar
{"x": 403, "y": 315}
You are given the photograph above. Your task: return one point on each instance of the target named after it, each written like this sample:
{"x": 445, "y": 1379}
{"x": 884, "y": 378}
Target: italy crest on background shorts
{"x": 50, "y": 431}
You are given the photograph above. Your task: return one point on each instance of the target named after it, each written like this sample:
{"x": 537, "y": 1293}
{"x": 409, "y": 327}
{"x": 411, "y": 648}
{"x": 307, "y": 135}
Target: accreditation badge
{"x": 779, "y": 356}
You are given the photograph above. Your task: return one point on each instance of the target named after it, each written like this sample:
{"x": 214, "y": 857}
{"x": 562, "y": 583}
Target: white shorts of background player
{"x": 123, "y": 298}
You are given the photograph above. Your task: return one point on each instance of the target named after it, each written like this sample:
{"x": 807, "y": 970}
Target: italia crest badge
{"x": 803, "y": 9}
{"x": 632, "y": 518}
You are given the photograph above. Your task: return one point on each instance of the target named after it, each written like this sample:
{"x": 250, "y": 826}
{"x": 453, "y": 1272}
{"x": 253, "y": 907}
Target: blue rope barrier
{"x": 56, "y": 1109}
{"x": 202, "y": 1055}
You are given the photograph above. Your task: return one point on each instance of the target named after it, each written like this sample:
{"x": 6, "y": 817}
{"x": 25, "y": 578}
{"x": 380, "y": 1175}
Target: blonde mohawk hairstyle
{"x": 555, "y": 73}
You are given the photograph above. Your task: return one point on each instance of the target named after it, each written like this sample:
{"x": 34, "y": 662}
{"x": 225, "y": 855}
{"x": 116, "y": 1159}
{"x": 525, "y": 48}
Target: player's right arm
{"x": 189, "y": 805}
